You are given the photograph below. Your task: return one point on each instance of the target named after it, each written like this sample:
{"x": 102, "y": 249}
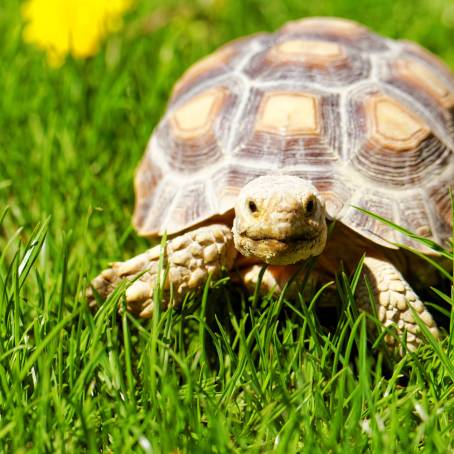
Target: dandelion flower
{"x": 75, "y": 27}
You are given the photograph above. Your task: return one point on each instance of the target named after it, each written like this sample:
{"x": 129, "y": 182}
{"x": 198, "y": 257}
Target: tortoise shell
{"x": 369, "y": 120}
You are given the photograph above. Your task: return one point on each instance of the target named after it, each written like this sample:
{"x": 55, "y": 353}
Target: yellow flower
{"x": 71, "y": 26}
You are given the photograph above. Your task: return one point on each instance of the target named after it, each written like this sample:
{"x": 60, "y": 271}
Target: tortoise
{"x": 276, "y": 138}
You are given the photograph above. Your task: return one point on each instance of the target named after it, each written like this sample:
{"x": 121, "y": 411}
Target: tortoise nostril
{"x": 252, "y": 206}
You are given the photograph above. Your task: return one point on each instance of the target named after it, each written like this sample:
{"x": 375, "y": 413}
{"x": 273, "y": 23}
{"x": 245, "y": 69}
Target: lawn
{"x": 228, "y": 373}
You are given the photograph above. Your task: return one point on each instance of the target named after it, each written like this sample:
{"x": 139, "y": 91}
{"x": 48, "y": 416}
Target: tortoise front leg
{"x": 394, "y": 299}
{"x": 190, "y": 259}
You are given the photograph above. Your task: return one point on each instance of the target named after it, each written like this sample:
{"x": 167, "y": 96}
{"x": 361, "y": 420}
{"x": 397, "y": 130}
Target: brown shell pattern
{"x": 369, "y": 120}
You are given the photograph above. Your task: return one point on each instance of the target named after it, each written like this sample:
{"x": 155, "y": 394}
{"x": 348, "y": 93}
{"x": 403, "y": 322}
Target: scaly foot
{"x": 395, "y": 300}
{"x": 190, "y": 259}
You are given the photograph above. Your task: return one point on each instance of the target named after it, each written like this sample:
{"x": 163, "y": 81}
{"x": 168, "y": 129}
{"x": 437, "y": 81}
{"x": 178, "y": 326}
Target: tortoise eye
{"x": 310, "y": 207}
{"x": 252, "y": 206}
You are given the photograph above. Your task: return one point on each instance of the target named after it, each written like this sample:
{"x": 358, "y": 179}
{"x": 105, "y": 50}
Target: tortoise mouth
{"x": 303, "y": 238}
{"x": 284, "y": 251}
{"x": 286, "y": 244}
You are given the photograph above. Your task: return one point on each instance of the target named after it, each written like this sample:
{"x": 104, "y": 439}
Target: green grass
{"x": 231, "y": 375}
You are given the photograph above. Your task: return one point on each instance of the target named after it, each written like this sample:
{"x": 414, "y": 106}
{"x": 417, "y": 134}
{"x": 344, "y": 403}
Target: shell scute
{"x": 427, "y": 86}
{"x": 312, "y": 52}
{"x": 193, "y": 134}
{"x": 344, "y": 31}
{"x": 420, "y": 77}
{"x": 289, "y": 113}
{"x": 310, "y": 59}
{"x": 285, "y": 128}
{"x": 197, "y": 116}
{"x": 392, "y": 126}
{"x": 332, "y": 27}
{"x": 418, "y": 52}
{"x": 190, "y": 206}
{"x": 151, "y": 221}
{"x": 392, "y": 145}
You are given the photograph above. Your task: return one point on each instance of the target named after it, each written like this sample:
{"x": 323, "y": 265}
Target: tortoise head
{"x": 279, "y": 220}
